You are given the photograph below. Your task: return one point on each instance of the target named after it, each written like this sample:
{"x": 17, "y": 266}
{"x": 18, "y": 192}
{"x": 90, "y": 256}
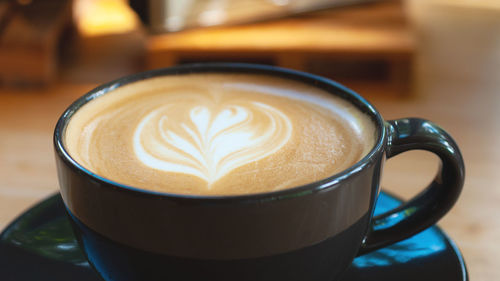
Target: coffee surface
{"x": 218, "y": 134}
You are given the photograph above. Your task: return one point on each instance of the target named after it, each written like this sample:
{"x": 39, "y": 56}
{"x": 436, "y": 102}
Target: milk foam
{"x": 211, "y": 143}
{"x": 216, "y": 134}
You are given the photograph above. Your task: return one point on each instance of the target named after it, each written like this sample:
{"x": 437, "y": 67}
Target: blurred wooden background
{"x": 29, "y": 36}
{"x": 372, "y": 49}
{"x": 372, "y": 42}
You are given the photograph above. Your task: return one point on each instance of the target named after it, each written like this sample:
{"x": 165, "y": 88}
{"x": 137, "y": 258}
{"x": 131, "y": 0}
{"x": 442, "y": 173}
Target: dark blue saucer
{"x": 40, "y": 245}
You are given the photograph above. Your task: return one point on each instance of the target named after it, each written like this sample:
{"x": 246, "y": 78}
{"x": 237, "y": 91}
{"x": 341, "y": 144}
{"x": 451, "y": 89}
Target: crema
{"x": 218, "y": 134}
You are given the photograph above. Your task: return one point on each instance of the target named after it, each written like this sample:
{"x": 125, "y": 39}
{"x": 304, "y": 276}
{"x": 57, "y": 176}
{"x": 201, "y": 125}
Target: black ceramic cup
{"x": 309, "y": 232}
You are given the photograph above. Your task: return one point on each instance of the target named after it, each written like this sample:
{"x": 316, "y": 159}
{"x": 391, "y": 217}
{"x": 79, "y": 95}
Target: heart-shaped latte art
{"x": 210, "y": 142}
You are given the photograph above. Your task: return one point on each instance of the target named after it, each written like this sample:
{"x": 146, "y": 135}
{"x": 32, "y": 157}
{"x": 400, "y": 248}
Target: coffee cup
{"x": 227, "y": 171}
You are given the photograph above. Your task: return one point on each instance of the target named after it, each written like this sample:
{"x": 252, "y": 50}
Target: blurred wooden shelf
{"x": 29, "y": 37}
{"x": 373, "y": 40}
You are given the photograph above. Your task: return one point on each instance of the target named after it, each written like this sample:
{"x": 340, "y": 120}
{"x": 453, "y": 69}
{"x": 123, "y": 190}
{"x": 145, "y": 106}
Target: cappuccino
{"x": 218, "y": 134}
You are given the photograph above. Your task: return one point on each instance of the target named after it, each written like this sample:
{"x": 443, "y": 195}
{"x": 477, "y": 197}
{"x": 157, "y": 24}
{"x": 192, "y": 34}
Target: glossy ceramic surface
{"x": 40, "y": 245}
{"x": 241, "y": 227}
{"x": 309, "y": 232}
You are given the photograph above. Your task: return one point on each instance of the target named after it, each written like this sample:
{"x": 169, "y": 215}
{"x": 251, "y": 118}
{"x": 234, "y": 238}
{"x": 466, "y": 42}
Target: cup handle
{"x": 426, "y": 208}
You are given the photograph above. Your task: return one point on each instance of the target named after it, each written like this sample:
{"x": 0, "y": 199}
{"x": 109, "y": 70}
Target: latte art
{"x": 217, "y": 134}
{"x": 211, "y": 143}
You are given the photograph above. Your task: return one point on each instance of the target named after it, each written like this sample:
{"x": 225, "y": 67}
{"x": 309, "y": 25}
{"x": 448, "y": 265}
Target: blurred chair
{"x": 30, "y": 31}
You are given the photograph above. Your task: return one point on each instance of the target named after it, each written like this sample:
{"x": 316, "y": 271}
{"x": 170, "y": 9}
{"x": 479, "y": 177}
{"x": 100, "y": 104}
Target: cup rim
{"x": 245, "y": 68}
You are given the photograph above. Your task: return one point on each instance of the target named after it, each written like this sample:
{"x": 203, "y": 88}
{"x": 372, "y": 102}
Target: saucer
{"x": 40, "y": 245}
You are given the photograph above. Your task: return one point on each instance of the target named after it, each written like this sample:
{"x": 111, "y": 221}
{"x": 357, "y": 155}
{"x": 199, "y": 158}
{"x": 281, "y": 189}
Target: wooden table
{"x": 27, "y": 169}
